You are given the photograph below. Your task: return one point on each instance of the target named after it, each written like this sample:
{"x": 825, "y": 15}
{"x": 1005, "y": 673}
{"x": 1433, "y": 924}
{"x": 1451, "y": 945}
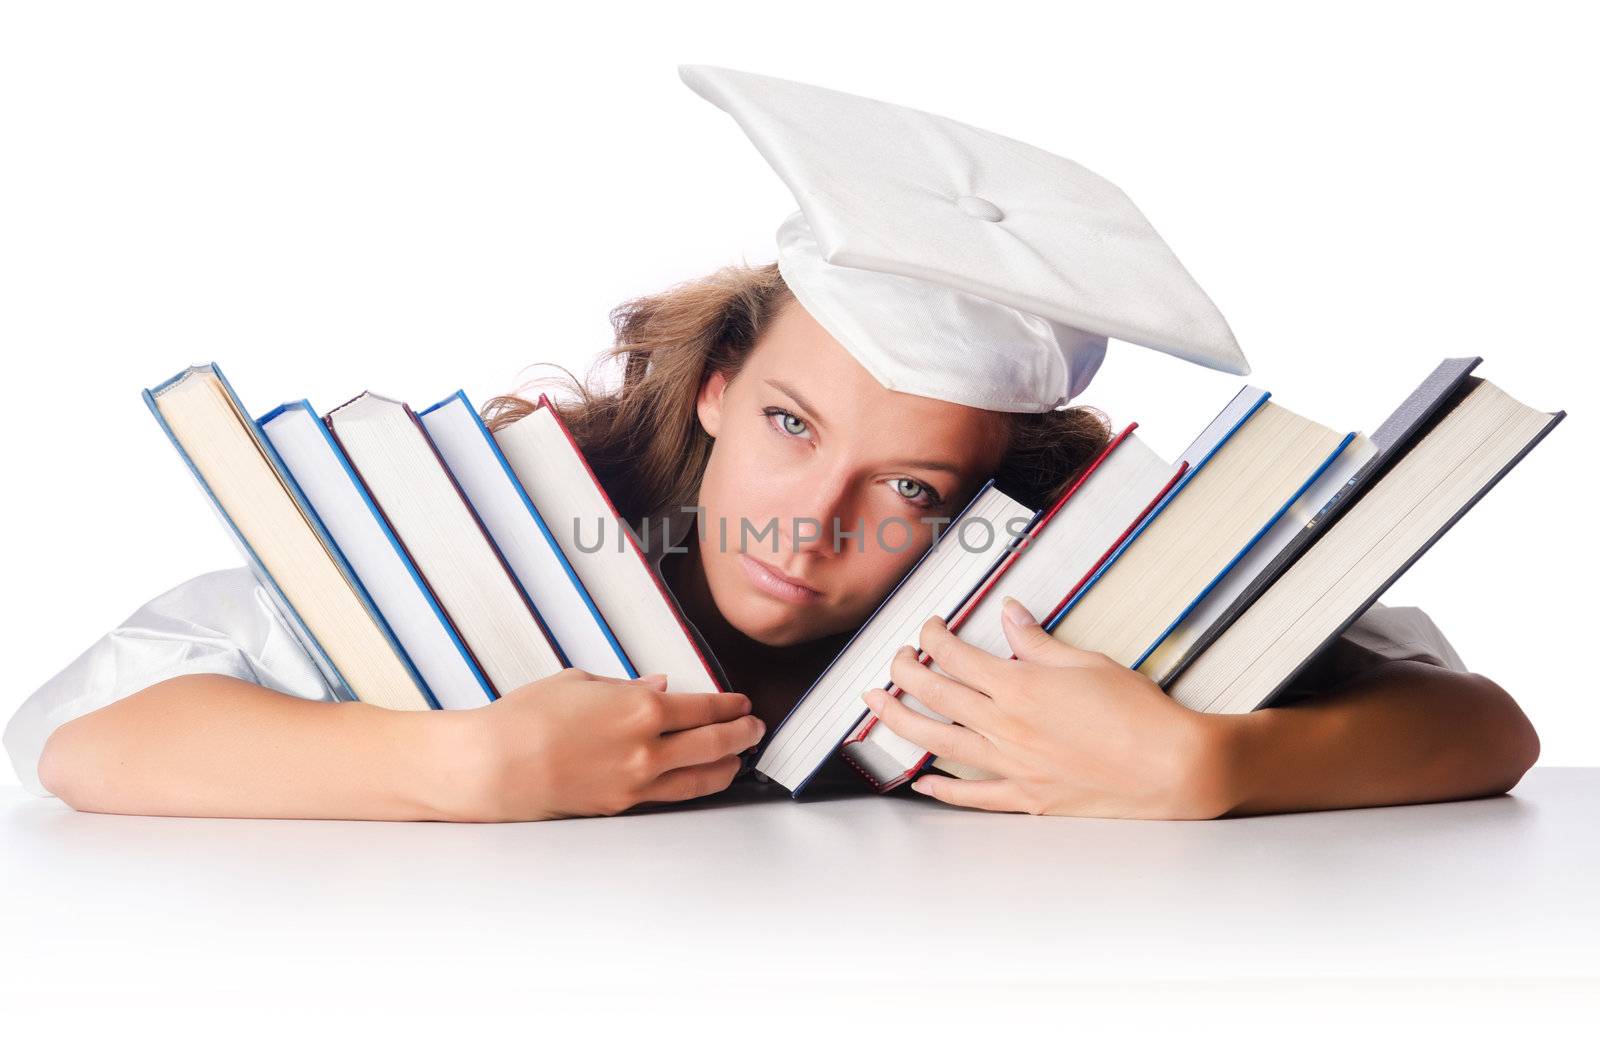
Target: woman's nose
{"x": 812, "y": 526}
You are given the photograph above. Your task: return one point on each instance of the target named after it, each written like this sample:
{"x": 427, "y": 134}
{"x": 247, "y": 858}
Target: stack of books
{"x": 422, "y": 562}
{"x": 1219, "y": 576}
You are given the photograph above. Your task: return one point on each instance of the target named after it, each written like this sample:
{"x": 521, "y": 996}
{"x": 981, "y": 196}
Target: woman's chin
{"x": 771, "y": 622}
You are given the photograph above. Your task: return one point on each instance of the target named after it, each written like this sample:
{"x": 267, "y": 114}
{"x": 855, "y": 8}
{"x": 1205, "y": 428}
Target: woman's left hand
{"x": 1064, "y": 731}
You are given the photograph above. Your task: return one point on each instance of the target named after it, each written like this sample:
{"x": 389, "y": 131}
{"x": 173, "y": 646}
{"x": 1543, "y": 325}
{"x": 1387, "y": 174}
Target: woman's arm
{"x": 1400, "y": 732}
{"x": 205, "y": 745}
{"x": 574, "y": 744}
{"x": 1071, "y": 732}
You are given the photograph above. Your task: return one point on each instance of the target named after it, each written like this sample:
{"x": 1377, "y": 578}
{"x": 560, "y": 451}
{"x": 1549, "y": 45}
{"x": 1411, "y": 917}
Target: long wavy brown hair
{"x": 643, "y": 437}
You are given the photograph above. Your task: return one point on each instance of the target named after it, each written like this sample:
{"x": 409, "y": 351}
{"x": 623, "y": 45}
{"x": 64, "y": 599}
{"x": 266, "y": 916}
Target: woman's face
{"x": 811, "y": 450}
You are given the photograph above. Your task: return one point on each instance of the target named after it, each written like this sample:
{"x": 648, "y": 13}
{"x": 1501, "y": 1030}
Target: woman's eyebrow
{"x": 805, "y": 406}
{"x": 933, "y": 465}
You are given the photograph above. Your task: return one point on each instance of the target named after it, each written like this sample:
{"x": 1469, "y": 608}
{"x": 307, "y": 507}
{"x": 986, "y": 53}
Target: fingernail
{"x": 761, "y": 728}
{"x": 919, "y": 786}
{"x": 871, "y": 696}
{"x": 1014, "y": 610}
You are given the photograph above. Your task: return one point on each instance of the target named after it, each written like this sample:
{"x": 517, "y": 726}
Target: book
{"x": 518, "y": 530}
{"x": 1235, "y": 482}
{"x": 1362, "y": 462}
{"x": 603, "y": 550}
{"x": 940, "y": 582}
{"x": 1247, "y": 469}
{"x": 1474, "y": 436}
{"x": 414, "y": 490}
{"x": 1078, "y": 533}
{"x": 332, "y": 488}
{"x": 287, "y": 547}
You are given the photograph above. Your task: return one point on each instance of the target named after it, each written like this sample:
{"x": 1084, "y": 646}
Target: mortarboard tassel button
{"x": 982, "y": 209}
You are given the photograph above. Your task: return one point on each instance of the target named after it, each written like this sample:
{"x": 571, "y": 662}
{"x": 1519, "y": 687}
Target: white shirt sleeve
{"x": 1381, "y": 634}
{"x": 217, "y": 623}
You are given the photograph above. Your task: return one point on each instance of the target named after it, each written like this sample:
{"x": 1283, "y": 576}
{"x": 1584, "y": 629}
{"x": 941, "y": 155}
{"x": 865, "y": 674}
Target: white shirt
{"x": 217, "y": 623}
{"x": 224, "y": 623}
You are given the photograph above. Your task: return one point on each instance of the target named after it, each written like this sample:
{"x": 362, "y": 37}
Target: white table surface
{"x": 758, "y": 893}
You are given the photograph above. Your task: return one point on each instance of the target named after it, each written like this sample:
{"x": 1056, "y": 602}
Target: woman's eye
{"x": 916, "y": 492}
{"x": 786, "y": 421}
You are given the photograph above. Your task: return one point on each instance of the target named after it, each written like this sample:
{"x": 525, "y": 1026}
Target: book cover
{"x": 552, "y": 547}
{"x": 1402, "y": 428}
{"x": 338, "y": 686}
{"x": 403, "y": 556}
{"x": 632, "y": 544}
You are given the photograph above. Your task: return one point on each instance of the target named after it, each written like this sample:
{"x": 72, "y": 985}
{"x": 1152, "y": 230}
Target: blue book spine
{"x": 1155, "y": 513}
{"x": 1268, "y": 525}
{"x": 389, "y": 535}
{"x": 544, "y": 529}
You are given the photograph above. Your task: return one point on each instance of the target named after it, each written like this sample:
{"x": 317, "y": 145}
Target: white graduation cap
{"x": 956, "y": 263}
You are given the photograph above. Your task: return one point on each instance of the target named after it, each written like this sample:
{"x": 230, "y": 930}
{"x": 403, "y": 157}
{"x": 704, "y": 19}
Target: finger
{"x": 690, "y": 710}
{"x": 710, "y": 742}
{"x": 656, "y": 681}
{"x": 692, "y": 782}
{"x": 941, "y": 693}
{"x": 998, "y": 795}
{"x": 952, "y": 741}
{"x": 967, "y": 663}
{"x": 1031, "y": 642}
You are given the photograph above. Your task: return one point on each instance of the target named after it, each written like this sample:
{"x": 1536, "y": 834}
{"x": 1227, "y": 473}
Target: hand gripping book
{"x": 1235, "y": 481}
{"x": 1066, "y": 545}
{"x": 988, "y": 530}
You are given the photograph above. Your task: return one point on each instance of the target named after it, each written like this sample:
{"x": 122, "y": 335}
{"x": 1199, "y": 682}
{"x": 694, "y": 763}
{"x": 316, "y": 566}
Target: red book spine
{"x": 666, "y": 597}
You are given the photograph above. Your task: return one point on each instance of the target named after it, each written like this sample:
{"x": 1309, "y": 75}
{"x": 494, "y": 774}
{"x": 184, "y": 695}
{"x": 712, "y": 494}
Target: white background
{"x": 414, "y": 198}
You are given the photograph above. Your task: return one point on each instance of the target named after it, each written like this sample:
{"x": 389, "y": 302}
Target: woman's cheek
{"x": 867, "y": 577}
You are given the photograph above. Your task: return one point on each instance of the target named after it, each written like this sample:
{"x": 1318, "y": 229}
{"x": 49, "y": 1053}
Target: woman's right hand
{"x": 580, "y": 745}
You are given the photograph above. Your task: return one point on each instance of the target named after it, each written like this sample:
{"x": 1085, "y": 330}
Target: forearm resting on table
{"x": 205, "y": 745}
{"x": 1402, "y": 732}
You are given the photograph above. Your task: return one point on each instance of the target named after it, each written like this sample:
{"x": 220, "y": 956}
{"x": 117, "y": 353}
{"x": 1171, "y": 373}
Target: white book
{"x": 971, "y": 546}
{"x": 526, "y": 542}
{"x": 1175, "y": 646}
{"x": 1476, "y": 439}
{"x": 422, "y": 503}
{"x": 607, "y": 558}
{"x": 289, "y": 550}
{"x": 376, "y": 556}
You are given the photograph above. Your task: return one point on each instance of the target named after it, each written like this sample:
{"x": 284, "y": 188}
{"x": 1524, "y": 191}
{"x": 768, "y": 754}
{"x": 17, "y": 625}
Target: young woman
{"x": 734, "y": 405}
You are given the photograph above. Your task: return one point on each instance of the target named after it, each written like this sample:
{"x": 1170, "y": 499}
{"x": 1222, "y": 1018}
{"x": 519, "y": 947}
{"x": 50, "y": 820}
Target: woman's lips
{"x": 770, "y": 581}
